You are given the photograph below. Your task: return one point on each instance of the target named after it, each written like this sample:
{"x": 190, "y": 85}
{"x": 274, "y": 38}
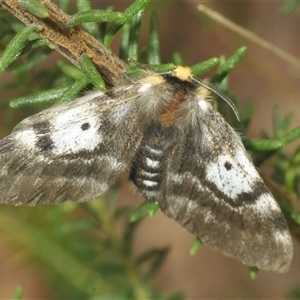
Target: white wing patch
{"x": 27, "y": 138}
{"x": 232, "y": 177}
{"x": 71, "y": 137}
{"x": 265, "y": 205}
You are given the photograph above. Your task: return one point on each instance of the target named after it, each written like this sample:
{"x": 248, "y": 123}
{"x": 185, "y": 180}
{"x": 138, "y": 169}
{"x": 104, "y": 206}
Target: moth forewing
{"x": 73, "y": 151}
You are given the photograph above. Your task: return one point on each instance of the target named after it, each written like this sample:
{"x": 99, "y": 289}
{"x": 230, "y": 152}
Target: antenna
{"x": 221, "y": 95}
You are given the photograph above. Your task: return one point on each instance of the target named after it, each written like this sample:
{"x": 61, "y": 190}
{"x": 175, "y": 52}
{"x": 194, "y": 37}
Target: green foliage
{"x": 196, "y": 246}
{"x": 24, "y": 42}
{"x": 226, "y": 65}
{"x": 83, "y": 251}
{"x": 40, "y": 97}
{"x": 220, "y": 82}
{"x": 148, "y": 207}
{"x": 90, "y": 72}
{"x": 204, "y": 66}
{"x": 153, "y": 42}
{"x": 15, "y": 48}
{"x": 73, "y": 90}
{"x": 294, "y": 293}
{"x": 34, "y": 7}
{"x": 118, "y": 18}
{"x": 253, "y": 272}
{"x": 289, "y": 6}
{"x": 91, "y": 27}
{"x": 18, "y": 293}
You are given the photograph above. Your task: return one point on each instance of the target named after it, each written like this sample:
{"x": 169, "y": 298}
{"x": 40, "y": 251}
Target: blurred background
{"x": 262, "y": 76}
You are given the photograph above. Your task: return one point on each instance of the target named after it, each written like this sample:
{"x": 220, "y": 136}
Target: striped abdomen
{"x": 146, "y": 171}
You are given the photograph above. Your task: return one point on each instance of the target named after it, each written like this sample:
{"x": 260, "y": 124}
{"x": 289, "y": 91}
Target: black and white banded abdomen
{"x": 149, "y": 164}
{"x": 146, "y": 172}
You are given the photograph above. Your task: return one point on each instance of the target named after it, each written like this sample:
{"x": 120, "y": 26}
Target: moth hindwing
{"x": 179, "y": 150}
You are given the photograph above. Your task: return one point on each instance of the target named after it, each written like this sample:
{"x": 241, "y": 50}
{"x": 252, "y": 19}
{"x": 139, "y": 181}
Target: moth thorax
{"x": 168, "y": 115}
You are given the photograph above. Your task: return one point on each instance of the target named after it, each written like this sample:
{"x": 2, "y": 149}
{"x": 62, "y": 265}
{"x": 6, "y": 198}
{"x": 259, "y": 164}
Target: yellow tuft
{"x": 153, "y": 80}
{"x": 183, "y": 73}
{"x": 203, "y": 92}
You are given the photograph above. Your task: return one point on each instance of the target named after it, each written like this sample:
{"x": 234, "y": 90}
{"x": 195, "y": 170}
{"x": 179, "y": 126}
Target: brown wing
{"x": 74, "y": 151}
{"x": 213, "y": 190}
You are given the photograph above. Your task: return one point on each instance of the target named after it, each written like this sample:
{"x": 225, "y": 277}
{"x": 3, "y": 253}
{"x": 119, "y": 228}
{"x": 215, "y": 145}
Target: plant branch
{"x": 249, "y": 35}
{"x": 71, "y": 43}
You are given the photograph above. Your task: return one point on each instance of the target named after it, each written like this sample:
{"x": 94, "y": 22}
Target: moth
{"x": 178, "y": 149}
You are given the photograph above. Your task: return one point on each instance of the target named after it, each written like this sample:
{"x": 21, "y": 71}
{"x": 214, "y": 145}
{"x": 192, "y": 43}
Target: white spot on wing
{"x": 266, "y": 204}
{"x": 244, "y": 162}
{"x": 283, "y": 238}
{"x": 234, "y": 181}
{"x": 67, "y": 135}
{"x": 26, "y": 138}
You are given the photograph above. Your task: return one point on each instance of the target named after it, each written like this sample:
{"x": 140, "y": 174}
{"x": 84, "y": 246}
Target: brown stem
{"x": 70, "y": 42}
